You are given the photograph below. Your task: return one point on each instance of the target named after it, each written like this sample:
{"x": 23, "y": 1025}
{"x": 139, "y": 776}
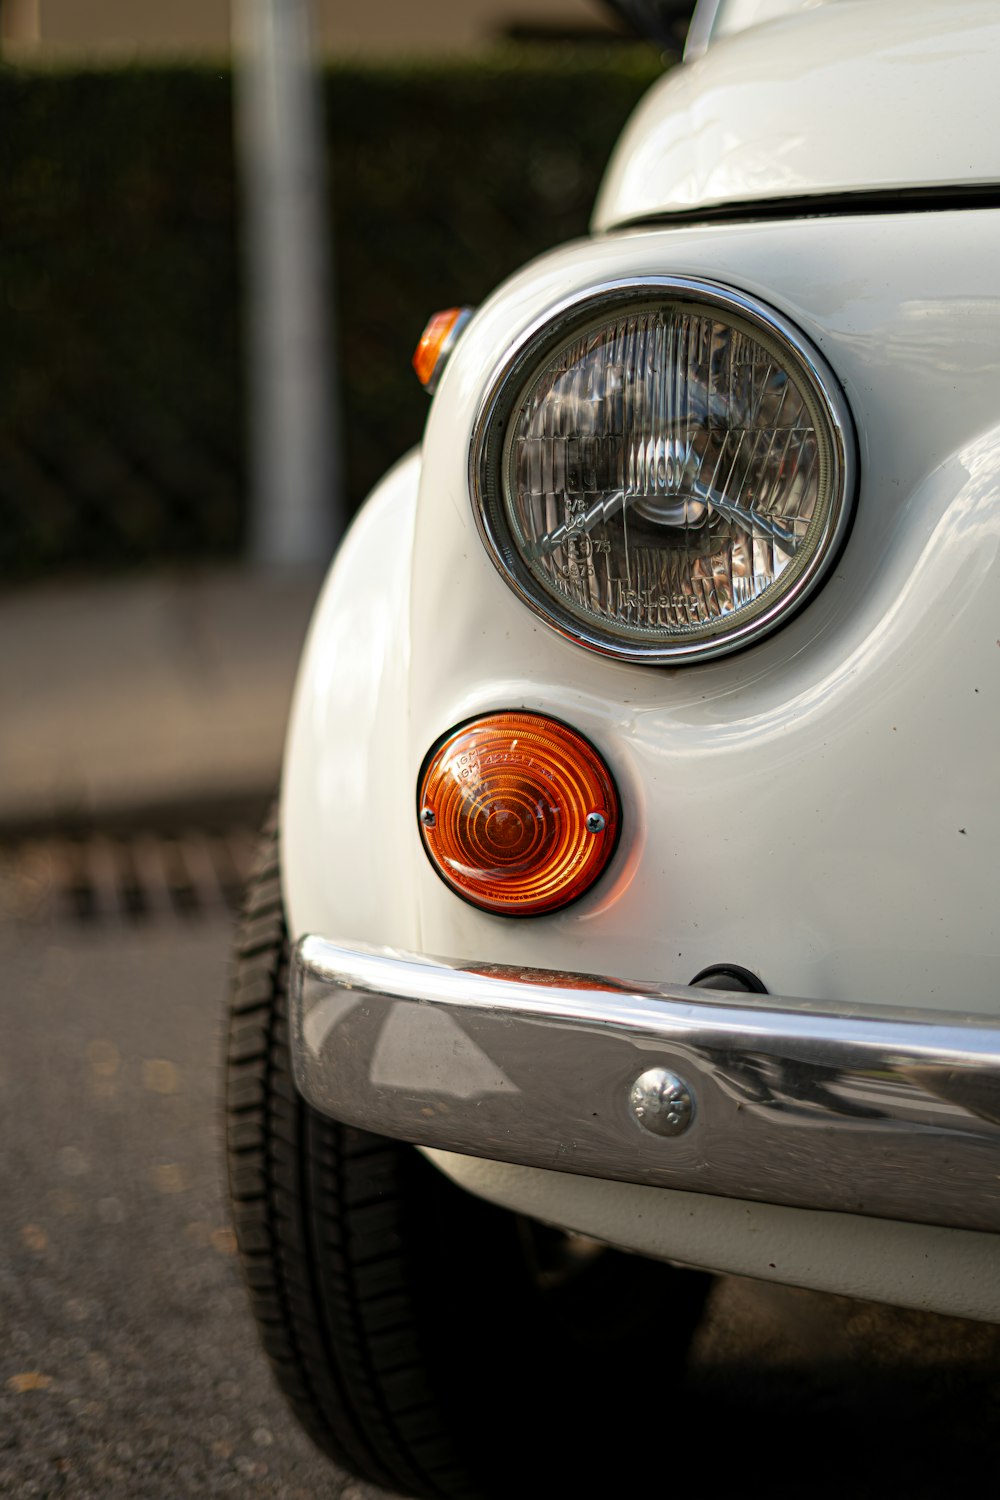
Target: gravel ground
{"x": 129, "y": 1363}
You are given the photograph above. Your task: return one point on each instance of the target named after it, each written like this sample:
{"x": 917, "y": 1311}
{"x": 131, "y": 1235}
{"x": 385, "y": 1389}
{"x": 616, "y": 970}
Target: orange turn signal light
{"x": 436, "y": 343}
{"x": 518, "y": 813}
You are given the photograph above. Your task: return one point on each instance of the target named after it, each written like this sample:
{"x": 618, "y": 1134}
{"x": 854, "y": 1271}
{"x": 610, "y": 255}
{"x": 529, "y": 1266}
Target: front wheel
{"x": 429, "y": 1342}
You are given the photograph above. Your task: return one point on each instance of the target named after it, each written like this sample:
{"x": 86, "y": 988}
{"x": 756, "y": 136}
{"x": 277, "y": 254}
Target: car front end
{"x": 751, "y": 1022}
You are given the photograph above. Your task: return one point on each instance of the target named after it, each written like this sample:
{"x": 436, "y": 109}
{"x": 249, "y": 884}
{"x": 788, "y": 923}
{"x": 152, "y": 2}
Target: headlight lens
{"x": 664, "y": 471}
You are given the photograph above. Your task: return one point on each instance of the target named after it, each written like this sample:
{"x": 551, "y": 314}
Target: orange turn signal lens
{"x": 518, "y": 813}
{"x": 436, "y": 343}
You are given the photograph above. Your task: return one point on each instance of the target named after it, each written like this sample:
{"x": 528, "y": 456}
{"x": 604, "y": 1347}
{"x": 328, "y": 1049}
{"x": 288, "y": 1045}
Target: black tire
{"x": 427, "y": 1341}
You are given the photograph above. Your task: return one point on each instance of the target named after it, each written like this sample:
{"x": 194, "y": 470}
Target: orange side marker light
{"x": 436, "y": 343}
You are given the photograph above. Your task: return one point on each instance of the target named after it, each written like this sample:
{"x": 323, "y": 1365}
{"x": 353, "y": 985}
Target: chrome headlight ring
{"x": 550, "y": 540}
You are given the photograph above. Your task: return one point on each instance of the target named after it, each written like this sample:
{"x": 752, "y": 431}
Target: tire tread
{"x": 314, "y": 1205}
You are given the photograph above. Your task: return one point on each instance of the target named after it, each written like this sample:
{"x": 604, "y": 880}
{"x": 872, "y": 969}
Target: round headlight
{"x": 664, "y": 470}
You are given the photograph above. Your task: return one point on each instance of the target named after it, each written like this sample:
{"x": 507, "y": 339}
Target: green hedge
{"x": 121, "y": 379}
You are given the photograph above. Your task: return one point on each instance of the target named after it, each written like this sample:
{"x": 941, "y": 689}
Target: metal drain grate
{"x": 125, "y": 877}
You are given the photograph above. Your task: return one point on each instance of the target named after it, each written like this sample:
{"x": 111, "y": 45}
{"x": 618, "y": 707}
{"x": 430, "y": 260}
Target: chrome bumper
{"x": 891, "y": 1113}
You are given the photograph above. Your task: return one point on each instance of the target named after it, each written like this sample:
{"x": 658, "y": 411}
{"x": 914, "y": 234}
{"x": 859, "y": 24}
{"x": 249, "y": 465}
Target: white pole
{"x": 295, "y": 512}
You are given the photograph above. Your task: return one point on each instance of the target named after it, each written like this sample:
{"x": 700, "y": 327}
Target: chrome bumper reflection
{"x": 893, "y": 1113}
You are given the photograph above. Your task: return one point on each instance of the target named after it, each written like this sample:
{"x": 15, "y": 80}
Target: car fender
{"x": 347, "y": 831}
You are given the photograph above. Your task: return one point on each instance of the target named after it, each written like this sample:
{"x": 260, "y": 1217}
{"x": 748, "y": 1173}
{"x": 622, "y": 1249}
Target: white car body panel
{"x": 347, "y": 792}
{"x": 771, "y": 764}
{"x": 757, "y": 826}
{"x": 845, "y": 98}
{"x": 951, "y": 1271}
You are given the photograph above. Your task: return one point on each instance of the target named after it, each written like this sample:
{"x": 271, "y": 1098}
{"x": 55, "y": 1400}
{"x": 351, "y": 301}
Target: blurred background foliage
{"x": 121, "y": 369}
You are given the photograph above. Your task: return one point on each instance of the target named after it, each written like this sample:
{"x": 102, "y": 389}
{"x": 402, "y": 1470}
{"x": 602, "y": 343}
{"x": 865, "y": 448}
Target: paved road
{"x": 128, "y": 1366}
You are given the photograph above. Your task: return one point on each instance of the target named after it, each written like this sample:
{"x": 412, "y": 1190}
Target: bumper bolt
{"x": 661, "y": 1102}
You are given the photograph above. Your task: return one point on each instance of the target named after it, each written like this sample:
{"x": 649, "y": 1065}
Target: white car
{"x": 637, "y": 878}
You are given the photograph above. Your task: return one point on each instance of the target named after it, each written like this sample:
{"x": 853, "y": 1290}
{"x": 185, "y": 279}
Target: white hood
{"x": 858, "y": 96}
